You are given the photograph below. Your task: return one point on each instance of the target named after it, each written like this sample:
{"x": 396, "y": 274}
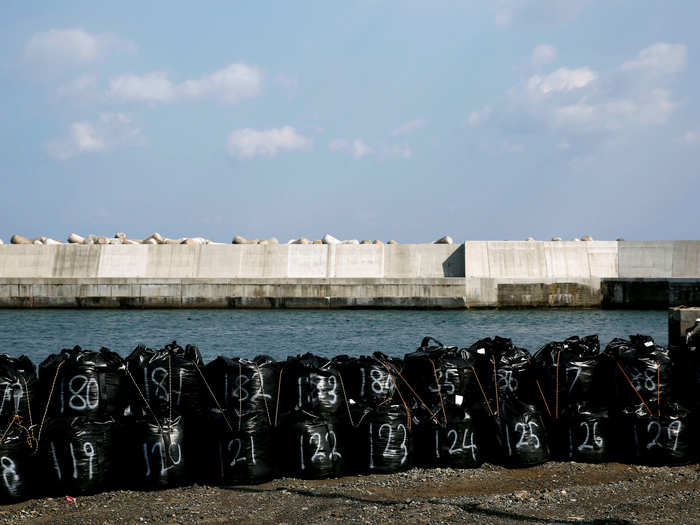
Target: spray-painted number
{"x": 388, "y": 452}
{"x": 325, "y": 449}
{"x": 83, "y": 394}
{"x": 168, "y": 457}
{"x": 673, "y": 431}
{"x": 592, "y": 439}
{"x": 445, "y": 383}
{"x": 161, "y": 384}
{"x": 380, "y": 381}
{"x": 311, "y": 388}
{"x": 240, "y": 391}
{"x": 528, "y": 435}
{"x": 12, "y": 392}
{"x": 467, "y": 442}
{"x": 9, "y": 474}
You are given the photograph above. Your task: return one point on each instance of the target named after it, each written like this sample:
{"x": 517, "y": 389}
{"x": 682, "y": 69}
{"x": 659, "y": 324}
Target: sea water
{"x": 282, "y": 333}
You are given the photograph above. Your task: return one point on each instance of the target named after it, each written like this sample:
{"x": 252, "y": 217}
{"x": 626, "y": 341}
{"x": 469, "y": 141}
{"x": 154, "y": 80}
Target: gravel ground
{"x": 550, "y": 493}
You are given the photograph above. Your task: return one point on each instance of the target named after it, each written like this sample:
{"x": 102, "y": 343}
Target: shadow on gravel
{"x": 470, "y": 508}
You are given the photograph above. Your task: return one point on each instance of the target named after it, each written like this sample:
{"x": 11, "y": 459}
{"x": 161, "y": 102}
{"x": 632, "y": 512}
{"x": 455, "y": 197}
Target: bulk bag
{"x": 311, "y": 384}
{"x": 78, "y": 456}
{"x": 156, "y": 453}
{"x": 83, "y": 383}
{"x": 450, "y": 439}
{"x": 240, "y": 453}
{"x": 521, "y": 438}
{"x": 17, "y": 467}
{"x": 245, "y": 386}
{"x": 643, "y": 371}
{"x": 311, "y": 448}
{"x": 665, "y": 438}
{"x": 18, "y": 389}
{"x": 368, "y": 380}
{"x": 170, "y": 380}
{"x": 383, "y": 439}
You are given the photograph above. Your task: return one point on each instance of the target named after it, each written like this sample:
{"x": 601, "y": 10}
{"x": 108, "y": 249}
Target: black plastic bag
{"x": 653, "y": 439}
{"x": 78, "y": 455}
{"x": 246, "y": 386}
{"x": 169, "y": 379}
{"x": 18, "y": 389}
{"x": 234, "y": 451}
{"x": 367, "y": 380}
{"x": 311, "y": 384}
{"x": 382, "y": 439}
{"x": 18, "y": 472}
{"x": 156, "y": 454}
{"x": 570, "y": 372}
{"x": 436, "y": 373}
{"x": 450, "y": 439}
{"x": 643, "y": 372}
{"x": 499, "y": 362}
{"x": 520, "y": 435}
{"x": 83, "y": 383}
{"x": 312, "y": 448}
{"x": 583, "y": 434}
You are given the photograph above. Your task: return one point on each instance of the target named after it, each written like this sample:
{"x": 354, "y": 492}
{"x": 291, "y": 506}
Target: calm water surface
{"x": 279, "y": 333}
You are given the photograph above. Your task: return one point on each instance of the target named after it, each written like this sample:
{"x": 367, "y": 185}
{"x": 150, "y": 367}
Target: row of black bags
{"x": 93, "y": 421}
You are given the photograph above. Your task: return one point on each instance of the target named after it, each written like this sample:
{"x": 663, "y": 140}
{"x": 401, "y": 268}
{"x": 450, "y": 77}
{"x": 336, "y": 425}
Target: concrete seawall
{"x": 473, "y": 274}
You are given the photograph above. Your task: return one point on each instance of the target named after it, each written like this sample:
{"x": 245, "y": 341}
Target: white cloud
{"x": 409, "y": 127}
{"x": 659, "y": 58}
{"x": 581, "y": 100}
{"x": 230, "y": 84}
{"x": 479, "y": 116}
{"x": 110, "y": 131}
{"x": 72, "y": 47}
{"x": 152, "y": 87}
{"x": 543, "y": 54}
{"x": 248, "y": 143}
{"x": 562, "y": 79}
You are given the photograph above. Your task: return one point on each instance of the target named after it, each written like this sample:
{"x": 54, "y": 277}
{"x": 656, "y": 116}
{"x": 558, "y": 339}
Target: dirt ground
{"x": 551, "y": 493}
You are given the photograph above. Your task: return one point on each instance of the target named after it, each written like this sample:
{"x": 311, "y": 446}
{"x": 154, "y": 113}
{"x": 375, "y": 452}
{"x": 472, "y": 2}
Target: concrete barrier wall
{"x": 474, "y": 274}
{"x": 233, "y": 261}
{"x": 513, "y": 273}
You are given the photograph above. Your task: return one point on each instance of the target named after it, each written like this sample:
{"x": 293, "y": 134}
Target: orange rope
{"x": 633, "y": 388}
{"x": 387, "y": 365}
{"x": 488, "y": 405}
{"x": 437, "y": 383}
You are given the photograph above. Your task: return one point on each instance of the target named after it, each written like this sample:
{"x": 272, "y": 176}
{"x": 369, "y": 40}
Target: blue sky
{"x": 364, "y": 119}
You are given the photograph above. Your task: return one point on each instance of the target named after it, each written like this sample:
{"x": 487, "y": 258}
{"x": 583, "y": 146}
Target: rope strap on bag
{"x": 486, "y": 399}
{"x": 439, "y": 391}
{"x": 48, "y": 403}
{"x": 390, "y": 366}
{"x": 634, "y": 388}
{"x": 204, "y": 379}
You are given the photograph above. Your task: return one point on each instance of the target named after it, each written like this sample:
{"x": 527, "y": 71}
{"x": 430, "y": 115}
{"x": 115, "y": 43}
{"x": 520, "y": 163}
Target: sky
{"x": 364, "y": 119}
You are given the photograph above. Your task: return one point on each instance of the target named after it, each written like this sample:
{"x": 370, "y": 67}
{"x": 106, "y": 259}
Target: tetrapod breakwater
{"x": 92, "y": 421}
